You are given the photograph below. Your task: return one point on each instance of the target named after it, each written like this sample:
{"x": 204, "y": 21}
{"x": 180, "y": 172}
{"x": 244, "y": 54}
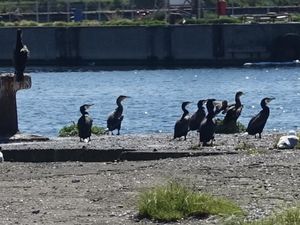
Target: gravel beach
{"x": 259, "y": 178}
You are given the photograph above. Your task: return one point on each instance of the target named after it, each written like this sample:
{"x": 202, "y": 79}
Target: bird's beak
{"x": 270, "y": 99}
{"x": 88, "y": 106}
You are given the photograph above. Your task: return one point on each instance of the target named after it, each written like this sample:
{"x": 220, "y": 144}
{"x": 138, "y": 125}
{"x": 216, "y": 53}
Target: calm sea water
{"x": 55, "y": 97}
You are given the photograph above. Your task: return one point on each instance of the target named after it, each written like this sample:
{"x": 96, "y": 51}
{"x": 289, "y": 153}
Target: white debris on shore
{"x": 288, "y": 141}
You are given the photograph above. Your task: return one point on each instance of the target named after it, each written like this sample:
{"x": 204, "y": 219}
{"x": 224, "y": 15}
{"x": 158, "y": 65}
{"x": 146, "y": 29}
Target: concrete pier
{"x": 8, "y": 106}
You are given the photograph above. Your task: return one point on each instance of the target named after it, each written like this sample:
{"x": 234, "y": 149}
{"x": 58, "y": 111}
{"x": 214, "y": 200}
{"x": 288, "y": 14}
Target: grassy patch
{"x": 249, "y": 148}
{"x": 288, "y": 217}
{"x": 244, "y": 146}
{"x": 229, "y": 128}
{"x": 173, "y": 202}
{"x": 72, "y": 130}
{"x": 214, "y": 20}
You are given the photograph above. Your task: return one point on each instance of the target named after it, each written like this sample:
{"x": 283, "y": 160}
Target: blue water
{"x": 55, "y": 97}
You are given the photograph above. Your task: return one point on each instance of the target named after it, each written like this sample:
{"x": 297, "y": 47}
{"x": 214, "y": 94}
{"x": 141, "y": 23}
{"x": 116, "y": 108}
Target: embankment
{"x": 175, "y": 45}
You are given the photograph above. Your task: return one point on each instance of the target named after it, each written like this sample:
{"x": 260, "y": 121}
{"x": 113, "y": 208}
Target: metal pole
{"x": 37, "y": 10}
{"x": 201, "y": 9}
{"x": 167, "y": 7}
{"x": 48, "y": 11}
{"x": 99, "y": 11}
{"x": 131, "y": 7}
{"x": 86, "y": 10}
{"x": 68, "y": 11}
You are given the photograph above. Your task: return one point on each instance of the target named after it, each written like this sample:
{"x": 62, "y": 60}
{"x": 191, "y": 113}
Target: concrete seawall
{"x": 187, "y": 45}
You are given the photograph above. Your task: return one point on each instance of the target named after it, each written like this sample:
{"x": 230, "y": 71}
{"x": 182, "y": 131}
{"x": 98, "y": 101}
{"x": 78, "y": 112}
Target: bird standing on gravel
{"x": 182, "y": 125}
{"x": 234, "y": 110}
{"x": 208, "y": 125}
{"x": 258, "y": 122}
{"x": 84, "y": 124}
{"x": 198, "y": 116}
{"x": 115, "y": 119}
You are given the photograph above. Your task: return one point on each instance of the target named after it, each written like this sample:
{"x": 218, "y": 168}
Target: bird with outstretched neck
{"x": 258, "y": 122}
{"x": 115, "y": 119}
{"x": 234, "y": 110}
{"x": 208, "y": 125}
{"x": 21, "y": 53}
{"x": 84, "y": 124}
{"x": 181, "y": 127}
{"x": 198, "y": 116}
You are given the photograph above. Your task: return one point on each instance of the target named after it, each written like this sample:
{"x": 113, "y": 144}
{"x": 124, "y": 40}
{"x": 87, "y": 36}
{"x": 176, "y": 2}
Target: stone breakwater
{"x": 259, "y": 178}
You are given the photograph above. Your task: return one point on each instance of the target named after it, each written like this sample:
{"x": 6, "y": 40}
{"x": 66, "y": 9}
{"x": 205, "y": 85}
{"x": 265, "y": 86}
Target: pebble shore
{"x": 258, "y": 177}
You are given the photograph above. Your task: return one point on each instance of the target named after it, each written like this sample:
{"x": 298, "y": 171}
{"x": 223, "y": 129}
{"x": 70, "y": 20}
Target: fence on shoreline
{"x": 50, "y": 11}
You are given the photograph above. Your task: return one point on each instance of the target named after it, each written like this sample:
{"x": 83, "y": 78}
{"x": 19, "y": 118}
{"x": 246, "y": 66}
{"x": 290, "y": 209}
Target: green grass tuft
{"x": 230, "y": 128}
{"x": 72, "y": 131}
{"x": 173, "y": 202}
{"x": 290, "y": 216}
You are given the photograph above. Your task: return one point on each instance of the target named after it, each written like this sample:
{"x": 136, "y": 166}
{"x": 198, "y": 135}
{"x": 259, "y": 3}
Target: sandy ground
{"x": 259, "y": 178}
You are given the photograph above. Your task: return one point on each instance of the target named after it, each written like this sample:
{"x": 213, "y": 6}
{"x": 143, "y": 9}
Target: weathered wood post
{"x": 8, "y": 104}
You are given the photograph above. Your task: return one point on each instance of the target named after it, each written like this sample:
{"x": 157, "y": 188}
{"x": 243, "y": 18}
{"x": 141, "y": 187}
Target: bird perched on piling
{"x": 234, "y": 110}
{"x": 114, "y": 120}
{"x": 181, "y": 127}
{"x": 208, "y": 125}
{"x": 258, "y": 122}
{"x": 85, "y": 123}
{"x": 21, "y": 53}
{"x": 198, "y": 116}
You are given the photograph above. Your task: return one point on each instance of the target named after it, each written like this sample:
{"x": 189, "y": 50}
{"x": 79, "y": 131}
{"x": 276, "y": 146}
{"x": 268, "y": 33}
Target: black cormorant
{"x": 198, "y": 116}
{"x": 234, "y": 110}
{"x": 208, "y": 125}
{"x": 84, "y": 123}
{"x": 181, "y": 127}
{"x": 114, "y": 120}
{"x": 258, "y": 122}
{"x": 20, "y": 57}
{"x": 221, "y": 107}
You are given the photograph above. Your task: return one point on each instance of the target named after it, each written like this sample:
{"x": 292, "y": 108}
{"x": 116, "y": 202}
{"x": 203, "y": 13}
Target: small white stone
{"x": 1, "y": 157}
{"x": 288, "y": 141}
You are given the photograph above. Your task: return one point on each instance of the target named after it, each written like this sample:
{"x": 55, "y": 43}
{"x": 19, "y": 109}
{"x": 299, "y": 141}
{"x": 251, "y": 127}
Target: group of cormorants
{"x": 202, "y": 120}
{"x": 114, "y": 120}
{"x": 205, "y": 123}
